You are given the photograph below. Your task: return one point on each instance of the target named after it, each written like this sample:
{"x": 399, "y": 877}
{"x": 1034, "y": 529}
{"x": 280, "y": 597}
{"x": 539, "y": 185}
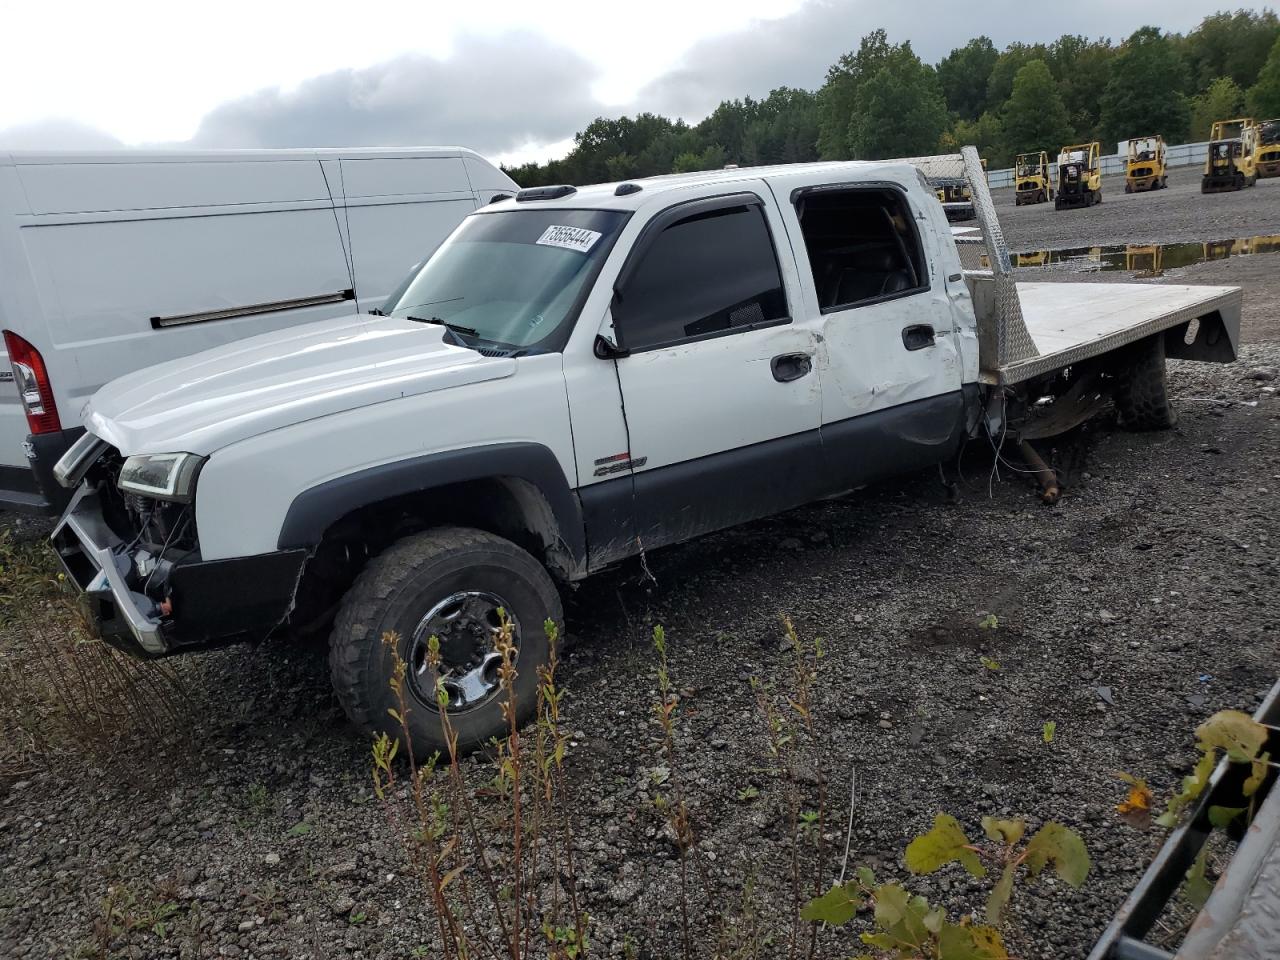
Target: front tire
{"x": 448, "y": 582}
{"x": 1141, "y": 391}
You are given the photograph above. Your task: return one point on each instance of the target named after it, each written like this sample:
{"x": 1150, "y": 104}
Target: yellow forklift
{"x": 1031, "y": 178}
{"x": 1268, "y": 164}
{"x": 1146, "y": 168}
{"x": 1231, "y": 163}
{"x": 1079, "y": 176}
{"x": 955, "y": 196}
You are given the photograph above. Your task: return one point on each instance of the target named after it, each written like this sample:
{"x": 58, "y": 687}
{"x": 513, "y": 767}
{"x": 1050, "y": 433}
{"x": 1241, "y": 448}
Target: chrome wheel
{"x": 468, "y": 626}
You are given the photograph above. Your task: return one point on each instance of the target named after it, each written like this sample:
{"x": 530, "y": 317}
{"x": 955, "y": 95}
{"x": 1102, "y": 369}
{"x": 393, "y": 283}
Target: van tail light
{"x": 33, "y": 384}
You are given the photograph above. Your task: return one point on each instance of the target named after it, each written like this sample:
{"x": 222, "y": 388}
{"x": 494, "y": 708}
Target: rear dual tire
{"x": 1141, "y": 391}
{"x": 406, "y": 591}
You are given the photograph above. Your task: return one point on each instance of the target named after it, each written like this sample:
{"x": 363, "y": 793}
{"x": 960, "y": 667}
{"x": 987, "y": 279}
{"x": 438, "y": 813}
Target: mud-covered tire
{"x": 395, "y": 592}
{"x": 1141, "y": 391}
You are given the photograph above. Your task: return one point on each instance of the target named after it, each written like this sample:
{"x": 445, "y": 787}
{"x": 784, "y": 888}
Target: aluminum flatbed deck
{"x": 1070, "y": 322}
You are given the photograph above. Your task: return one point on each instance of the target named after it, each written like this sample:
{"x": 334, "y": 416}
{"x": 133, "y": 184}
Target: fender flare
{"x": 316, "y": 509}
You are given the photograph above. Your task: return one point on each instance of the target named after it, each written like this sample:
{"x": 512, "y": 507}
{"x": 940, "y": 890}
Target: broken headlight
{"x": 164, "y": 476}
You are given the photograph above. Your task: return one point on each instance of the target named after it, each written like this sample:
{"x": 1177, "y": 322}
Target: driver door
{"x": 720, "y": 379}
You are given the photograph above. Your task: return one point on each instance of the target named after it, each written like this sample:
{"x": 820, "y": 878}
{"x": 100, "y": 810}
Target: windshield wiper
{"x": 451, "y": 327}
{"x": 377, "y": 312}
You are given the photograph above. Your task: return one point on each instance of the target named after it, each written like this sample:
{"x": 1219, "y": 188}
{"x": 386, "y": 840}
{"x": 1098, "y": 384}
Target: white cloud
{"x": 492, "y": 94}
{"x": 56, "y": 134}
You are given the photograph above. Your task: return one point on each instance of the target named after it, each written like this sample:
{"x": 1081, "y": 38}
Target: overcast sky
{"x": 512, "y": 80}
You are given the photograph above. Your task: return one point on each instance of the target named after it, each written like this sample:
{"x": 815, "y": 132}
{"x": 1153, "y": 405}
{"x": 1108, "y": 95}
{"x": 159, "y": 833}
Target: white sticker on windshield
{"x": 571, "y": 238}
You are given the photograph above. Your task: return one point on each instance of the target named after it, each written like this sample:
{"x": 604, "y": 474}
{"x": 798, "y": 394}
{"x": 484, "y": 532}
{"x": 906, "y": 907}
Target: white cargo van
{"x": 111, "y": 262}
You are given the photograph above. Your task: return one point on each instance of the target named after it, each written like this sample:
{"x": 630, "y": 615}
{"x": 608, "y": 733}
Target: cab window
{"x": 862, "y": 245}
{"x": 712, "y": 273}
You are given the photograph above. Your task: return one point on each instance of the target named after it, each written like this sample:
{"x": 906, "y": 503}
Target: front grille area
{"x": 165, "y": 531}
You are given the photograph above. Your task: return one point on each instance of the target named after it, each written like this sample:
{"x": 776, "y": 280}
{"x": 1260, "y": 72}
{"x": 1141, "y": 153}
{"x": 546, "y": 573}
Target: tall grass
{"x": 502, "y": 881}
{"x": 62, "y": 690}
{"x": 523, "y": 902}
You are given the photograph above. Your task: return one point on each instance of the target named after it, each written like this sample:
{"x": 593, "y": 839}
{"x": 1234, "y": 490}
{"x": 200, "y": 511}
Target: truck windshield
{"x": 512, "y": 278}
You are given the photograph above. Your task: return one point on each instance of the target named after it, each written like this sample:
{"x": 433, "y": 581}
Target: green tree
{"x": 1012, "y": 59}
{"x": 784, "y": 130}
{"x": 900, "y": 111}
{"x": 964, "y": 73}
{"x": 712, "y": 158}
{"x": 1034, "y": 116}
{"x": 1082, "y": 69}
{"x": 839, "y": 97}
{"x": 621, "y": 166}
{"x": 1224, "y": 100}
{"x": 1141, "y": 98}
{"x": 986, "y": 133}
{"x": 1231, "y": 45}
{"x": 1264, "y": 96}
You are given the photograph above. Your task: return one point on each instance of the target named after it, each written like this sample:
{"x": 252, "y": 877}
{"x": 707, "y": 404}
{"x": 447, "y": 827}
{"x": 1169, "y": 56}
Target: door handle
{"x": 790, "y": 366}
{"x": 917, "y": 336}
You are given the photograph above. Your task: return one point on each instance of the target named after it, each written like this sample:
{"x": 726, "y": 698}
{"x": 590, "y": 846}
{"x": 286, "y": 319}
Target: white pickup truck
{"x": 577, "y": 376}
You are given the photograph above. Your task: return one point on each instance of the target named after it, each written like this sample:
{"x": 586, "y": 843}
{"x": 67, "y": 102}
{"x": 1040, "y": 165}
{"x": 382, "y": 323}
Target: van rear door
{"x": 393, "y": 212}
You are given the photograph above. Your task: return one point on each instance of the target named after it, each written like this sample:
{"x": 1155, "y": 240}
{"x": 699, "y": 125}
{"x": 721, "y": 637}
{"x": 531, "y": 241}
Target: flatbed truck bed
{"x": 1029, "y": 330}
{"x": 1070, "y": 322}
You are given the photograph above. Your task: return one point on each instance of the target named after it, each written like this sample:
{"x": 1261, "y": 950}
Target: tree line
{"x": 882, "y": 101}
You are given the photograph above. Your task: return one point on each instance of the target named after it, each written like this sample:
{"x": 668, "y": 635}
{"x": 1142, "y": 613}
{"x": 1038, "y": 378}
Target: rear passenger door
{"x": 891, "y": 385}
{"x": 720, "y": 384}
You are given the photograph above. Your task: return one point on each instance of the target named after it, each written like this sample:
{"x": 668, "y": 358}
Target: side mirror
{"x": 606, "y": 345}
{"x": 606, "y": 349}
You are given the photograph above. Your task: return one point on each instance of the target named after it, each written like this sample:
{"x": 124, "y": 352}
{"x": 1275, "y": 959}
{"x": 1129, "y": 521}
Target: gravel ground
{"x": 1142, "y": 603}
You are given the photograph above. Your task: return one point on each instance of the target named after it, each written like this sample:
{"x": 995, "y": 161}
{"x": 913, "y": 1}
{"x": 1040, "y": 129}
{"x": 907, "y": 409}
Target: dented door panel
{"x": 899, "y": 353}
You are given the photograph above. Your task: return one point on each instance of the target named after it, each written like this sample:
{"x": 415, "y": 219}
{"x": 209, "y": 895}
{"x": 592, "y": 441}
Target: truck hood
{"x": 201, "y": 403}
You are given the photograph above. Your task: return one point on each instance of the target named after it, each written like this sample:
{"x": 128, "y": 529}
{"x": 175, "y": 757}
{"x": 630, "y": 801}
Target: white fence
{"x": 1178, "y": 155}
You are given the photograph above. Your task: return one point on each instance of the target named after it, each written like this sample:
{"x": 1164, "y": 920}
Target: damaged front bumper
{"x": 207, "y": 603}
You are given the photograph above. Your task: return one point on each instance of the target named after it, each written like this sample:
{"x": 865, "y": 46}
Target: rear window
{"x": 862, "y": 246}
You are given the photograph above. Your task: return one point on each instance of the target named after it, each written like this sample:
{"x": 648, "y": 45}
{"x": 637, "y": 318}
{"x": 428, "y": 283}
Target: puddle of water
{"x": 1146, "y": 260}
